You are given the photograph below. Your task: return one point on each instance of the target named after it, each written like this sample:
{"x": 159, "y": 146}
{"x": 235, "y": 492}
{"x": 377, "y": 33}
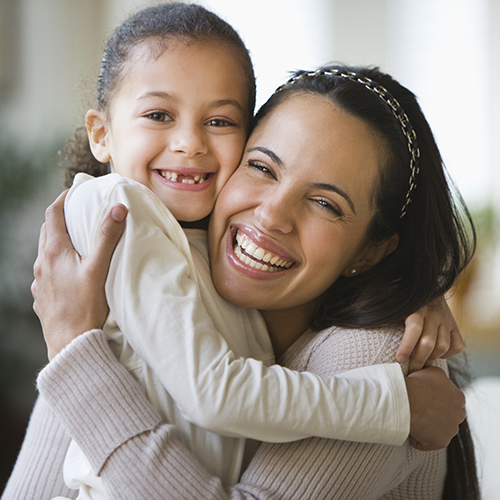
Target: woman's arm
{"x": 37, "y": 473}
{"x": 139, "y": 457}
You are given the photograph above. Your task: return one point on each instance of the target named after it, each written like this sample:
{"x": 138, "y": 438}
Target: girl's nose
{"x": 187, "y": 139}
{"x": 276, "y": 213}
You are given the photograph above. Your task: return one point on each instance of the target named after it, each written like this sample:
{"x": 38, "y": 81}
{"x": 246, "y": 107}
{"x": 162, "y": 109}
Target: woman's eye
{"x": 330, "y": 207}
{"x": 219, "y": 122}
{"x": 261, "y": 167}
{"x": 159, "y": 116}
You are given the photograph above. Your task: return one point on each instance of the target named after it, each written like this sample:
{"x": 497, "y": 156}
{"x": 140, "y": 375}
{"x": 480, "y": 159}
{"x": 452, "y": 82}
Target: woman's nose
{"x": 187, "y": 139}
{"x": 276, "y": 213}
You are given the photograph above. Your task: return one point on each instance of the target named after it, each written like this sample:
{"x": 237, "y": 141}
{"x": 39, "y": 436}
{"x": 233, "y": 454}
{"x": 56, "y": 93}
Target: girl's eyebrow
{"x": 160, "y": 94}
{"x": 169, "y": 97}
{"x": 226, "y": 102}
{"x": 319, "y": 185}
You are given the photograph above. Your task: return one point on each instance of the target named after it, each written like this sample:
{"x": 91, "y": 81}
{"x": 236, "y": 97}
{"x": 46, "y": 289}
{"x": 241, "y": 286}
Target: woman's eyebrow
{"x": 274, "y": 157}
{"x": 334, "y": 189}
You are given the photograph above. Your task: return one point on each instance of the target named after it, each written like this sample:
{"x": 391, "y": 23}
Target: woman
{"x": 326, "y": 182}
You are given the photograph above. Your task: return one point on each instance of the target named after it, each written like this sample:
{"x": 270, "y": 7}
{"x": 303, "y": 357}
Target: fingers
{"x": 413, "y": 328}
{"x": 110, "y": 231}
{"x": 56, "y": 235}
{"x": 54, "y": 215}
{"x": 437, "y": 408}
{"x": 457, "y": 345}
{"x": 433, "y": 344}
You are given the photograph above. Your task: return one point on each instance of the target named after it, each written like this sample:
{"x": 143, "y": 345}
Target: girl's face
{"x": 176, "y": 123}
{"x": 294, "y": 215}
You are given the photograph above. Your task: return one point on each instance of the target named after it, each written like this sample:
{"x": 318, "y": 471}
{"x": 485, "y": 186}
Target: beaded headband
{"x": 396, "y": 109}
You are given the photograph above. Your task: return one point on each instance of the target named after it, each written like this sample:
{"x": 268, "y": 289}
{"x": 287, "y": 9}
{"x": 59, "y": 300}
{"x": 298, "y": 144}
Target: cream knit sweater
{"x": 87, "y": 394}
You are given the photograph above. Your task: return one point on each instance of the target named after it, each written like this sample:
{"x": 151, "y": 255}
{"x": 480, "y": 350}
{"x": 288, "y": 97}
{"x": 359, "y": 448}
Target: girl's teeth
{"x": 258, "y": 253}
{"x": 172, "y": 176}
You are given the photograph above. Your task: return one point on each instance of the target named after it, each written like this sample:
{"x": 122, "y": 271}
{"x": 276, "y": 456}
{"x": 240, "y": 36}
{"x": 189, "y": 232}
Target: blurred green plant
{"x": 23, "y": 176}
{"x": 487, "y": 226}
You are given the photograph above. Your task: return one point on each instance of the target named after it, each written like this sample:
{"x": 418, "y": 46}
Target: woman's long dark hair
{"x": 436, "y": 235}
{"x": 156, "y": 26}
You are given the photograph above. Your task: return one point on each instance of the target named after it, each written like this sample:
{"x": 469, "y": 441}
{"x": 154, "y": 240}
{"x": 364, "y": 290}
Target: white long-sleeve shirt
{"x": 201, "y": 360}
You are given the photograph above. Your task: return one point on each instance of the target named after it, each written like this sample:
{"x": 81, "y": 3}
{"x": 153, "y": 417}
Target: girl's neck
{"x": 197, "y": 224}
{"x": 285, "y": 326}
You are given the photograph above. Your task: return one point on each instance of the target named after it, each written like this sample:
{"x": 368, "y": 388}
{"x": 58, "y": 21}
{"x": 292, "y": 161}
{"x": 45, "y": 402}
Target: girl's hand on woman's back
{"x": 68, "y": 291}
{"x": 430, "y": 333}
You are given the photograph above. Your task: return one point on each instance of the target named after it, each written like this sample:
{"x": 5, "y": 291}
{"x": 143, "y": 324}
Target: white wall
{"x": 447, "y": 51}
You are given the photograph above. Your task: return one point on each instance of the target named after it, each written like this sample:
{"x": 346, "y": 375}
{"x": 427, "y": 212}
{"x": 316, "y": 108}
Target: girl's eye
{"x": 219, "y": 122}
{"x": 330, "y": 207}
{"x": 159, "y": 116}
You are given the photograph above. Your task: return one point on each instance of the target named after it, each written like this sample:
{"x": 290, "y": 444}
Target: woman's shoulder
{"x": 336, "y": 349}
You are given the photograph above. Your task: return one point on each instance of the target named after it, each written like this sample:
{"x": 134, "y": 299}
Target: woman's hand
{"x": 68, "y": 290}
{"x": 436, "y": 406}
{"x": 430, "y": 333}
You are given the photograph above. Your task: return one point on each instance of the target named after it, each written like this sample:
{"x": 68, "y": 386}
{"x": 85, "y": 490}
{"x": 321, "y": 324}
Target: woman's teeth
{"x": 262, "y": 259}
{"x": 175, "y": 177}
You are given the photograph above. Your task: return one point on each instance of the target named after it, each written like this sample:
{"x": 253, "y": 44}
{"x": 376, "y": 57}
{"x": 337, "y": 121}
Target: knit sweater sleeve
{"x": 37, "y": 474}
{"x": 139, "y": 457}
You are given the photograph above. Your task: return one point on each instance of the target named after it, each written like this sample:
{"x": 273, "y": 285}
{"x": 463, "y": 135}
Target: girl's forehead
{"x": 210, "y": 64}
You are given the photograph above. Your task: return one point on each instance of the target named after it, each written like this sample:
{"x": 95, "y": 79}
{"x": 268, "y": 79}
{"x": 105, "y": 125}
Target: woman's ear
{"x": 372, "y": 255}
{"x": 97, "y": 131}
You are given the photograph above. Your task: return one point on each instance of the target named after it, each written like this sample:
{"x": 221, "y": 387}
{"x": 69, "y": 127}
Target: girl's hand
{"x": 436, "y": 407}
{"x": 430, "y": 333}
{"x": 68, "y": 290}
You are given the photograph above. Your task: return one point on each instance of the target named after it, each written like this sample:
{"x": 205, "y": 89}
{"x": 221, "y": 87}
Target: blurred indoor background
{"x": 446, "y": 51}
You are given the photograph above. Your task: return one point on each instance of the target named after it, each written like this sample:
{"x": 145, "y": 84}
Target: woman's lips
{"x": 256, "y": 256}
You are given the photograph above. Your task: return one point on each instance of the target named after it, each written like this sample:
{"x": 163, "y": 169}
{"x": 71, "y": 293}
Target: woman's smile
{"x": 250, "y": 252}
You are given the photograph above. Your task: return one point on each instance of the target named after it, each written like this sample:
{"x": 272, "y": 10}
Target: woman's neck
{"x": 285, "y": 326}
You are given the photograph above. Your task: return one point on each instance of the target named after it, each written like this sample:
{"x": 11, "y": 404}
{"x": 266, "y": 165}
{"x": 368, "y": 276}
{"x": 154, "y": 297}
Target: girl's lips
{"x": 254, "y": 255}
{"x": 192, "y": 180}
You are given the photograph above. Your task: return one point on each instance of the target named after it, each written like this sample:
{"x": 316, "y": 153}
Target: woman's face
{"x": 294, "y": 215}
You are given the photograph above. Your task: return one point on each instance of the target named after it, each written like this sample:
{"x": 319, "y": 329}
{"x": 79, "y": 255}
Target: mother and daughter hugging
{"x": 222, "y": 242}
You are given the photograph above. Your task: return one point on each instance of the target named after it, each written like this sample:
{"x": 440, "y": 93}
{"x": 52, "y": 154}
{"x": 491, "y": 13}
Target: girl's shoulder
{"x": 336, "y": 350}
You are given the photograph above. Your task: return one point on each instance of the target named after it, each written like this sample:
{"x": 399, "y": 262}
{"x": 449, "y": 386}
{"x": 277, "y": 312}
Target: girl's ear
{"x": 97, "y": 132}
{"x": 372, "y": 255}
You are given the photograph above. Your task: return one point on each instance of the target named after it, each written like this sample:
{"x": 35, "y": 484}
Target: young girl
{"x": 175, "y": 101}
